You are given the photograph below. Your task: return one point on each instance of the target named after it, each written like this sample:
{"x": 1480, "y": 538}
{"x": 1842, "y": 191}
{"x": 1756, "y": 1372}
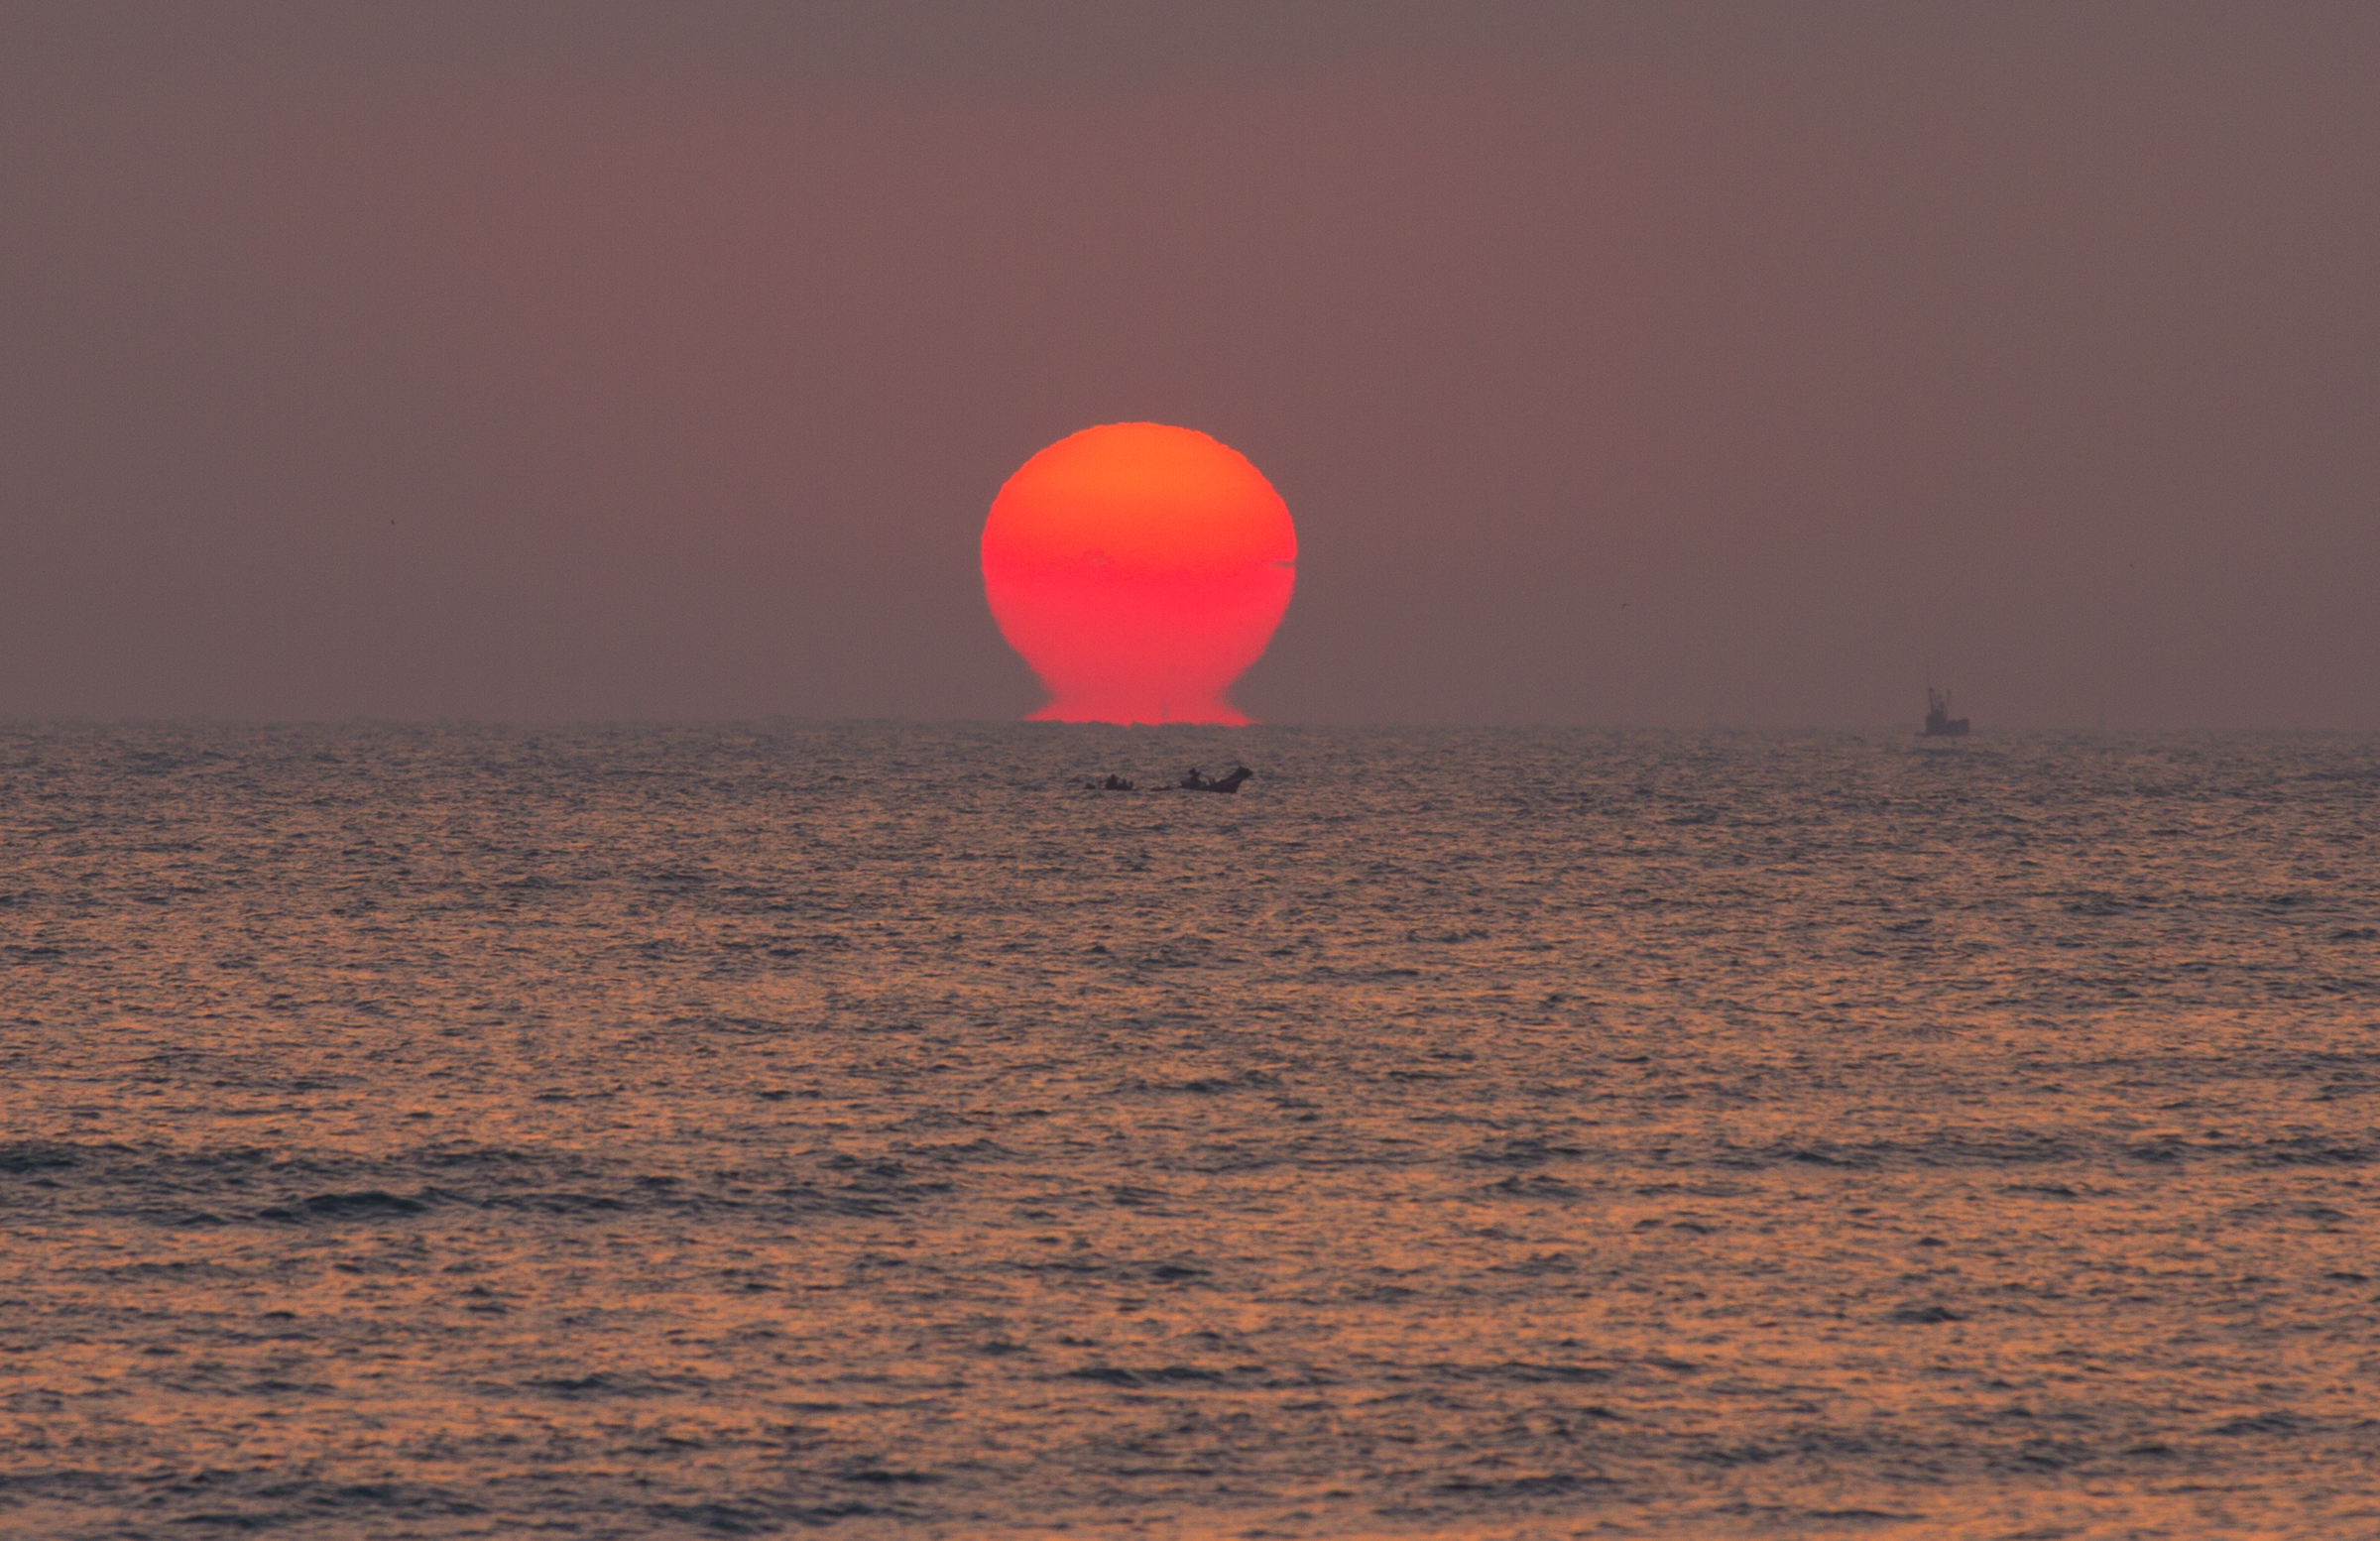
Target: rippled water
{"x": 656, "y": 1133}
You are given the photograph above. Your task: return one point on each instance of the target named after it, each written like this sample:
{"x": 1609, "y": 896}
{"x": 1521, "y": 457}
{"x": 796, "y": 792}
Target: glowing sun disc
{"x": 1139, "y": 569}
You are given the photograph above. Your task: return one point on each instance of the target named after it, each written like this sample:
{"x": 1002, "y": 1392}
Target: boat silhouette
{"x": 1939, "y": 724}
{"x": 1194, "y": 783}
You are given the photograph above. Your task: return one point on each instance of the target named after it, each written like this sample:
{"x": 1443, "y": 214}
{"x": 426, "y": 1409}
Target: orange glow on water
{"x": 1139, "y": 569}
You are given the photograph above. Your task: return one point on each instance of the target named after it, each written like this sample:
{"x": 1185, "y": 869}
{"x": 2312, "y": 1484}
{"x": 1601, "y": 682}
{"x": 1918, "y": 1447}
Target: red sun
{"x": 1139, "y": 569}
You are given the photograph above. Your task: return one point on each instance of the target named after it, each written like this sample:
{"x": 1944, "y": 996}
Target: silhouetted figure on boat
{"x": 1116, "y": 784}
{"x": 1195, "y": 783}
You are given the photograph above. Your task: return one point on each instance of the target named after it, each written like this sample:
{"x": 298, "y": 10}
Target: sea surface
{"x": 866, "y": 1130}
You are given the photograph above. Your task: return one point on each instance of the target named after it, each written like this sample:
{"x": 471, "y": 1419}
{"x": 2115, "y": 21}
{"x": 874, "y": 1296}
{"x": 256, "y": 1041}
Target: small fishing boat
{"x": 1939, "y": 724}
{"x": 1194, "y": 783}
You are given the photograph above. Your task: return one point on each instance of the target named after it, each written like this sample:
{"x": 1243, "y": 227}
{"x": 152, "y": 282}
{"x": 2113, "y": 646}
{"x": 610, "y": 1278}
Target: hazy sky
{"x": 1662, "y": 364}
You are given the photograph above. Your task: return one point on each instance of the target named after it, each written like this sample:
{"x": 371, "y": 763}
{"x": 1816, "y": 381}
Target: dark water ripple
{"x": 617, "y": 1132}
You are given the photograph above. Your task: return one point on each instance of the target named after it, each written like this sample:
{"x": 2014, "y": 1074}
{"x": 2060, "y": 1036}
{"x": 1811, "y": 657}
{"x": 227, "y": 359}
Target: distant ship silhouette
{"x": 1939, "y": 724}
